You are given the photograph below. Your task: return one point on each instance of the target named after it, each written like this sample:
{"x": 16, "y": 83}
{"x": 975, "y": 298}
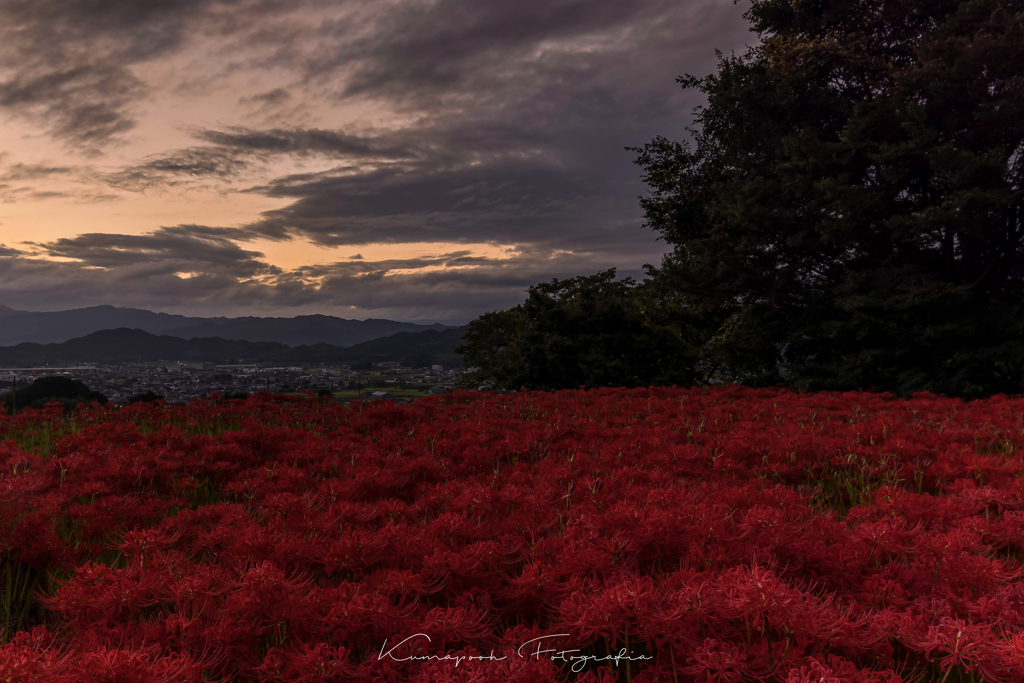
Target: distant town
{"x": 180, "y": 382}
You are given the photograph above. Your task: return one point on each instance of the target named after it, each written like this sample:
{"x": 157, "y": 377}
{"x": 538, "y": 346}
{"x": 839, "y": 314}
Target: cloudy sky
{"x": 418, "y": 160}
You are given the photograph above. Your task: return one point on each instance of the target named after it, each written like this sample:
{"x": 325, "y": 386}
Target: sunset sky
{"x": 403, "y": 159}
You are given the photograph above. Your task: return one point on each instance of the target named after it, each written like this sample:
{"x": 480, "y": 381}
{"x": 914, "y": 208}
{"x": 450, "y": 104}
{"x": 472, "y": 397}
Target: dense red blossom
{"x": 719, "y": 534}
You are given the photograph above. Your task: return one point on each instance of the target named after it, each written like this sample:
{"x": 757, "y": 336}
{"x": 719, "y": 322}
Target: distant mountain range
{"x": 416, "y": 349}
{"x": 17, "y": 327}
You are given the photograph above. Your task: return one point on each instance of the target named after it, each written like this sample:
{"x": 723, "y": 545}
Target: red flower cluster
{"x": 721, "y": 534}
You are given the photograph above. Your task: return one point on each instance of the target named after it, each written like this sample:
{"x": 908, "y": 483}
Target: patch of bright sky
{"x": 131, "y": 214}
{"x": 190, "y": 90}
{"x": 292, "y": 254}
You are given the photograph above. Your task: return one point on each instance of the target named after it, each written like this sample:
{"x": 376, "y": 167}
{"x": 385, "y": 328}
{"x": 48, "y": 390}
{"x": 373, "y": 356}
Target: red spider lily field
{"x": 714, "y": 534}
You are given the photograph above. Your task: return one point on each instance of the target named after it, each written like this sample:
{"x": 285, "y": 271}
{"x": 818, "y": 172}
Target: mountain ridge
{"x": 126, "y": 345}
{"x": 61, "y": 326}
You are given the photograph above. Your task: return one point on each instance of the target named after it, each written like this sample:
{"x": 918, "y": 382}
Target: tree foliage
{"x": 849, "y": 213}
{"x": 583, "y": 331}
{"x": 51, "y": 389}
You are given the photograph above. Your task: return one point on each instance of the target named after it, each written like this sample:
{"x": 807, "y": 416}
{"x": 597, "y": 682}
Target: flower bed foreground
{"x": 719, "y": 534}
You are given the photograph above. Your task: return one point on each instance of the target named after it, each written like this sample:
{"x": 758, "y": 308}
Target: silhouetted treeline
{"x": 848, "y": 215}
{"x": 53, "y": 389}
{"x": 416, "y": 349}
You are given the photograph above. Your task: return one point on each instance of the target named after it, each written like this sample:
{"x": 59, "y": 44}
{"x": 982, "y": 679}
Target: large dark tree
{"x": 849, "y": 214}
{"x": 51, "y": 389}
{"x": 585, "y": 331}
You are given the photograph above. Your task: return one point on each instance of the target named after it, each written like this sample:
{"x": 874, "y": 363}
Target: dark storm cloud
{"x": 69, "y": 60}
{"x": 9, "y": 195}
{"x": 29, "y": 193}
{"x": 359, "y": 266}
{"x": 143, "y": 30}
{"x": 273, "y": 98}
{"x": 525, "y": 110}
{"x": 424, "y": 291}
{"x": 174, "y": 249}
{"x": 238, "y": 150}
{"x": 21, "y": 171}
{"x": 267, "y": 102}
{"x": 180, "y": 166}
{"x": 85, "y": 105}
{"x": 194, "y": 281}
{"x": 493, "y": 122}
{"x": 6, "y": 251}
{"x": 450, "y": 295}
{"x": 506, "y": 201}
{"x": 442, "y": 45}
{"x": 453, "y": 48}
{"x": 302, "y": 142}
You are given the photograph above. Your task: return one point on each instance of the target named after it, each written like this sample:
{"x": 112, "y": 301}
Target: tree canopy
{"x": 849, "y": 212}
{"x": 583, "y": 331}
{"x": 51, "y": 389}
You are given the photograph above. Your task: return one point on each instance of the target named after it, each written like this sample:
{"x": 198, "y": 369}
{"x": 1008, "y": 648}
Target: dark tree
{"x": 850, "y": 212}
{"x": 52, "y": 389}
{"x": 584, "y": 331}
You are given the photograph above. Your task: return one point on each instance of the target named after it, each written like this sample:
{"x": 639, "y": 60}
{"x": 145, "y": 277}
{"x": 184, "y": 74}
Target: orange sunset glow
{"x": 415, "y": 161}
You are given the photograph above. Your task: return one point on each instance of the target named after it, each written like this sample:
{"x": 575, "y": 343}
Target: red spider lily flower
{"x": 716, "y": 662}
{"x": 143, "y": 666}
{"x": 457, "y": 625}
{"x": 959, "y": 643}
{"x": 35, "y": 656}
{"x": 833, "y": 669}
{"x": 615, "y": 610}
{"x": 307, "y": 663}
{"x": 677, "y": 517}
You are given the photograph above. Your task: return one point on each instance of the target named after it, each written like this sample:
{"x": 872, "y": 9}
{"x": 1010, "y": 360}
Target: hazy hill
{"x": 60, "y": 326}
{"x": 415, "y": 349}
{"x": 126, "y": 345}
{"x": 303, "y": 329}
